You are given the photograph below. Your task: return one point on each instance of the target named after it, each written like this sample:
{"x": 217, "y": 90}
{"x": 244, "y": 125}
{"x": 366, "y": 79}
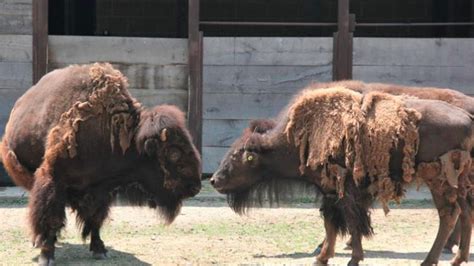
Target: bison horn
{"x": 163, "y": 135}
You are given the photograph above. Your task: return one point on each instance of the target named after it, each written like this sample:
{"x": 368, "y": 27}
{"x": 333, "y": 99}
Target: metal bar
{"x": 40, "y": 39}
{"x": 414, "y": 24}
{"x": 254, "y": 23}
{"x": 330, "y": 24}
{"x": 195, "y": 73}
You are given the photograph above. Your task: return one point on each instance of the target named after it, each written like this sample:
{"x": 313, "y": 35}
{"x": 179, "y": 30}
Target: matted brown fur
{"x": 324, "y": 124}
{"x": 388, "y": 124}
{"x": 108, "y": 98}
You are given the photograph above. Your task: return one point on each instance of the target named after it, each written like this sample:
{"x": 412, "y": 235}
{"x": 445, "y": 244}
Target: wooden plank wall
{"x": 15, "y": 57}
{"x": 247, "y": 78}
{"x": 418, "y": 62}
{"x": 156, "y": 67}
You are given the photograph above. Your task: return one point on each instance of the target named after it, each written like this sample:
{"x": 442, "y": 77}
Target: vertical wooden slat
{"x": 40, "y": 38}
{"x": 342, "y": 54}
{"x": 195, "y": 73}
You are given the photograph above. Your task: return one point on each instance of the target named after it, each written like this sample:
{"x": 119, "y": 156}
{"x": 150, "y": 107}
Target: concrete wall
{"x": 15, "y": 57}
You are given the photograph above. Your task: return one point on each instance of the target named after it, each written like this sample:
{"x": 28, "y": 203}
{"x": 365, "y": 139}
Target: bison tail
{"x": 19, "y": 174}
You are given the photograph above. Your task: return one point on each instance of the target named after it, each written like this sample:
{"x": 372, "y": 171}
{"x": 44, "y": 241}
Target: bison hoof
{"x": 317, "y": 251}
{"x": 447, "y": 251}
{"x": 44, "y": 261}
{"x": 99, "y": 255}
{"x": 353, "y": 263}
{"x": 320, "y": 262}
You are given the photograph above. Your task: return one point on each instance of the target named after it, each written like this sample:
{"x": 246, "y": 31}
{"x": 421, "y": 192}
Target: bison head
{"x": 260, "y": 165}
{"x": 164, "y": 140}
{"x": 242, "y": 166}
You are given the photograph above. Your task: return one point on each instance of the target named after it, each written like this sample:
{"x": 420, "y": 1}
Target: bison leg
{"x": 357, "y": 251}
{"x": 92, "y": 211}
{"x": 448, "y": 214}
{"x": 453, "y": 239}
{"x": 317, "y": 251}
{"x": 329, "y": 243}
{"x": 47, "y": 215}
{"x": 466, "y": 229}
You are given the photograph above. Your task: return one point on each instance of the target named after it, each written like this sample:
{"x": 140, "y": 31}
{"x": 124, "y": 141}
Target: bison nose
{"x": 194, "y": 188}
{"x": 216, "y": 182}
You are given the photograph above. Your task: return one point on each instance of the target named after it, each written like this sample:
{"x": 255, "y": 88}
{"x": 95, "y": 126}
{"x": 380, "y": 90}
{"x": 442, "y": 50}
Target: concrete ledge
{"x": 12, "y": 193}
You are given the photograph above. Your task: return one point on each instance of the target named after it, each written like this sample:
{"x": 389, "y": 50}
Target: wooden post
{"x": 342, "y": 43}
{"x": 195, "y": 47}
{"x": 40, "y": 39}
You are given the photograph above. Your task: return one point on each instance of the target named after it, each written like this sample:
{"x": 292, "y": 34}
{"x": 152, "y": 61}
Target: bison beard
{"x": 270, "y": 191}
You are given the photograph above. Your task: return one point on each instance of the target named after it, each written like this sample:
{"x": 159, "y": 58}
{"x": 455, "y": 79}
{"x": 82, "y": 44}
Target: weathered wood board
{"x": 418, "y": 62}
{"x": 126, "y": 50}
{"x": 15, "y": 48}
{"x": 16, "y": 17}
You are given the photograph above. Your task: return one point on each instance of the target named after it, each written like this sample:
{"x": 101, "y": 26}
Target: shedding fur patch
{"x": 339, "y": 123}
{"x": 109, "y": 99}
{"x": 449, "y": 176}
{"x": 388, "y": 124}
{"x": 324, "y": 124}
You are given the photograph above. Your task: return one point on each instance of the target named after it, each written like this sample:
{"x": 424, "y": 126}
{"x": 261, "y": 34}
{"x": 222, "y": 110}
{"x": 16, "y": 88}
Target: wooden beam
{"x": 195, "y": 47}
{"x": 342, "y": 54}
{"x": 40, "y": 39}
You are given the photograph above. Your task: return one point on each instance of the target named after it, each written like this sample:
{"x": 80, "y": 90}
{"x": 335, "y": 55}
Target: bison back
{"x": 442, "y": 128}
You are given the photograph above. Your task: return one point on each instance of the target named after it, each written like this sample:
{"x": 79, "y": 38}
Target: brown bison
{"x": 320, "y": 141}
{"x": 450, "y": 96}
{"x": 78, "y": 138}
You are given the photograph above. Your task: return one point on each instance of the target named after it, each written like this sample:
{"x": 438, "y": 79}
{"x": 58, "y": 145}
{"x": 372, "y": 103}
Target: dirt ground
{"x": 208, "y": 232}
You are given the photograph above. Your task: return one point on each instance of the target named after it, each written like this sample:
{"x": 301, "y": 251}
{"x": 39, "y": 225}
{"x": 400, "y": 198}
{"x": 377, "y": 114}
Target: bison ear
{"x": 261, "y": 126}
{"x": 150, "y": 146}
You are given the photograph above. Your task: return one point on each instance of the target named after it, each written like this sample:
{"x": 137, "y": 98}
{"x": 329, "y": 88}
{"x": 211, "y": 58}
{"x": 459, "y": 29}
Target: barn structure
{"x": 229, "y": 61}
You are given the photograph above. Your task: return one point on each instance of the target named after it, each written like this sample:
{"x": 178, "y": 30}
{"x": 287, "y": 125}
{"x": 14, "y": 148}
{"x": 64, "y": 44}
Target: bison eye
{"x": 174, "y": 155}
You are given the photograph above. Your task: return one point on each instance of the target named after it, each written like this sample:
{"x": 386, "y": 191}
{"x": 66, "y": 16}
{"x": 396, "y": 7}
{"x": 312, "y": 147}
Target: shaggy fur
{"x": 324, "y": 124}
{"x": 88, "y": 140}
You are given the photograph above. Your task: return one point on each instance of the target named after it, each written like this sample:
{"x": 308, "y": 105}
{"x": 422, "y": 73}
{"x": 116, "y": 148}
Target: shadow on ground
{"x": 373, "y": 254}
{"x": 76, "y": 254}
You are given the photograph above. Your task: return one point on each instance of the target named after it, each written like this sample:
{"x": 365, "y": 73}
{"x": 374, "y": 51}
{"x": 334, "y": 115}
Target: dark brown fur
{"x": 256, "y": 158}
{"x": 78, "y": 138}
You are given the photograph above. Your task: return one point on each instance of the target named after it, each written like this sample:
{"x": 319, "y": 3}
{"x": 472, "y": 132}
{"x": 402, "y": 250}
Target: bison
{"x": 77, "y": 138}
{"x": 266, "y": 154}
{"x": 450, "y": 96}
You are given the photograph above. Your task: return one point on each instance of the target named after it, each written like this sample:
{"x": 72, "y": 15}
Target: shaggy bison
{"x": 356, "y": 149}
{"x": 78, "y": 138}
{"x": 453, "y": 97}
